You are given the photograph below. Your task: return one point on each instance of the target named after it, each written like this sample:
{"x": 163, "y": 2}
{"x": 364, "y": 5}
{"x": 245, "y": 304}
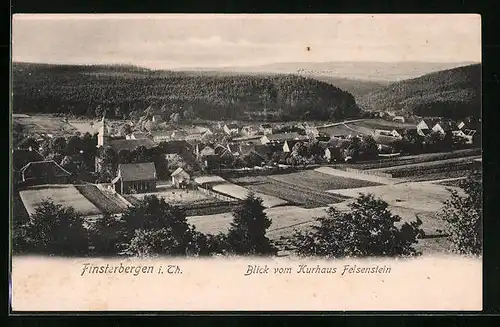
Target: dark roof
{"x": 176, "y": 146}
{"x": 384, "y": 139}
{"x": 43, "y": 169}
{"x": 430, "y": 122}
{"x": 263, "y": 150}
{"x": 232, "y": 126}
{"x": 130, "y": 145}
{"x": 234, "y": 147}
{"x": 266, "y": 125}
{"x": 247, "y": 148}
{"x": 283, "y": 137}
{"x": 219, "y": 149}
{"x": 447, "y": 125}
{"x": 21, "y": 158}
{"x": 137, "y": 172}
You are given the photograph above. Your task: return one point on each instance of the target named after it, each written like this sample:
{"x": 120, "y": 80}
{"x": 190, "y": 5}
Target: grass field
{"x": 103, "y": 201}
{"x": 65, "y": 195}
{"x": 43, "y": 124}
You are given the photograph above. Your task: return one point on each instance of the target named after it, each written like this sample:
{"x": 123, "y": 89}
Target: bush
{"x": 368, "y": 230}
{"x": 464, "y": 216}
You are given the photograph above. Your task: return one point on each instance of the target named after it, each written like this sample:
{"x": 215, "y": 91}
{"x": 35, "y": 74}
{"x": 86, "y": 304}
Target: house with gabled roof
{"x": 281, "y": 138}
{"x": 180, "y": 178}
{"x": 444, "y": 127}
{"x": 44, "y": 172}
{"x": 22, "y": 157}
{"x": 266, "y": 129}
{"x": 288, "y": 145}
{"x": 231, "y": 129}
{"x": 135, "y": 178}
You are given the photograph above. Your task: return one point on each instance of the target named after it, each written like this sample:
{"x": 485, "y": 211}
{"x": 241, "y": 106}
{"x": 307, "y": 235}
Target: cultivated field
{"x": 105, "y": 201}
{"x": 431, "y": 167}
{"x": 241, "y": 193}
{"x": 305, "y": 189}
{"x": 177, "y": 196}
{"x": 313, "y": 180}
{"x": 65, "y": 195}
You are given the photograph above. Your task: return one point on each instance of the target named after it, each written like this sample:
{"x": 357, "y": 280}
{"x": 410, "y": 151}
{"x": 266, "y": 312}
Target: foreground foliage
{"x": 367, "y": 230}
{"x": 464, "y": 216}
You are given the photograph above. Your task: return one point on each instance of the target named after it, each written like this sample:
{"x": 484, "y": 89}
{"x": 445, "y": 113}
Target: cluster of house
{"x": 261, "y": 142}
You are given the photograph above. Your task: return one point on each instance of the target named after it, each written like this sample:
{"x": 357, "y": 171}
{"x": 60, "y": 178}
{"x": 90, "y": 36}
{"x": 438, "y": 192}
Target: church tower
{"x": 102, "y": 136}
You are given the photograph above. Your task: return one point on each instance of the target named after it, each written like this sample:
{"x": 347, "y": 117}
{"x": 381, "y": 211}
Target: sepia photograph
{"x": 243, "y": 138}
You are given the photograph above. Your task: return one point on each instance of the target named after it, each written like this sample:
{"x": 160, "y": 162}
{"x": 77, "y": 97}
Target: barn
{"x": 44, "y": 172}
{"x": 180, "y": 177}
{"x": 135, "y": 178}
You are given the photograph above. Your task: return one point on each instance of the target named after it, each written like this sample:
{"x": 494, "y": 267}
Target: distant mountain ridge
{"x": 372, "y": 71}
{"x": 453, "y": 92}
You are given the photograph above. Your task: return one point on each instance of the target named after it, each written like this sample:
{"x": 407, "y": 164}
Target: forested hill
{"x": 448, "y": 93}
{"x": 79, "y": 90}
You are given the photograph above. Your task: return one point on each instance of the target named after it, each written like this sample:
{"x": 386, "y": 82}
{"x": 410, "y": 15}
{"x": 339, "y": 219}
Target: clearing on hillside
{"x": 42, "y": 124}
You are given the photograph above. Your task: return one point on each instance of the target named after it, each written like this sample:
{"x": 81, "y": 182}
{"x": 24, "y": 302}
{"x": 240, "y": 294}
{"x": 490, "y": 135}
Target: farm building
{"x": 444, "y": 127}
{"x": 161, "y": 136}
{"x": 231, "y": 129}
{"x": 266, "y": 129}
{"x": 136, "y": 136}
{"x": 180, "y": 177}
{"x": 424, "y": 127}
{"x": 254, "y": 139}
{"x": 288, "y": 145}
{"x": 22, "y": 157}
{"x": 399, "y": 119}
{"x": 135, "y": 178}
{"x": 281, "y": 138}
{"x": 44, "y": 172}
{"x": 385, "y": 137}
{"x": 179, "y": 135}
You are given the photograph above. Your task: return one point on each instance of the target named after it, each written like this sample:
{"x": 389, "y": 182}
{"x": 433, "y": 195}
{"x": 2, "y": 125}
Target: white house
{"x": 443, "y": 127}
{"x": 136, "y": 136}
{"x": 231, "y": 129}
{"x": 266, "y": 129}
{"x": 180, "y": 177}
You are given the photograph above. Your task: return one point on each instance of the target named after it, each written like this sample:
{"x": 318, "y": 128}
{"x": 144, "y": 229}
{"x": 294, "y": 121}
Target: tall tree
{"x": 57, "y": 230}
{"x": 464, "y": 216}
{"x": 368, "y": 229}
{"x": 154, "y": 227}
{"x": 247, "y": 234}
{"x": 107, "y": 235}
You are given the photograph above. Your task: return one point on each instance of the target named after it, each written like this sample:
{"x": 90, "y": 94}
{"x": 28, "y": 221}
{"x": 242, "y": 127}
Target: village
{"x": 296, "y": 169}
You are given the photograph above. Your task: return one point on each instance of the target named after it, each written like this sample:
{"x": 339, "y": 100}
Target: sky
{"x": 208, "y": 40}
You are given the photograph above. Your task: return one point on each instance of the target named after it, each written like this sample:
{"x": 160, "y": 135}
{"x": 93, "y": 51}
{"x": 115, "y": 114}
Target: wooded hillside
{"x": 449, "y": 93}
{"x": 123, "y": 90}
